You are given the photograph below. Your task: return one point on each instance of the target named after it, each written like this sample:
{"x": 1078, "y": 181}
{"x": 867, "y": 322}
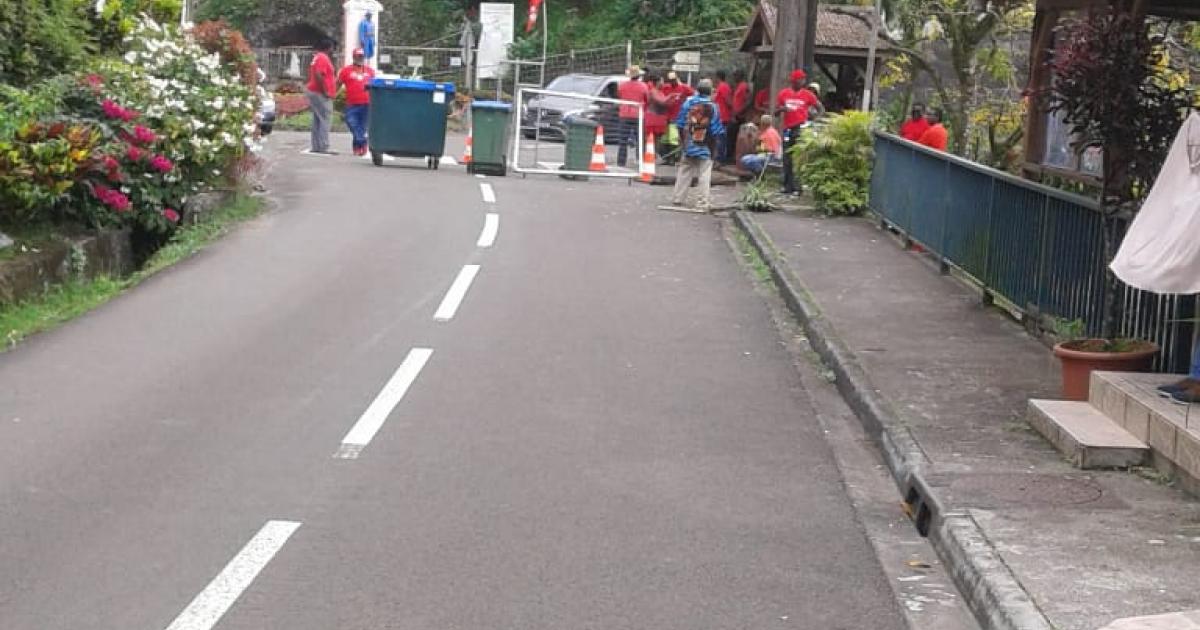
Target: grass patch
{"x": 751, "y": 258}
{"x": 64, "y": 302}
{"x": 295, "y": 122}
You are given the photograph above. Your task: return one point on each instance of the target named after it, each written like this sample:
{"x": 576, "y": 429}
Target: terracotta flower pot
{"x": 1083, "y": 356}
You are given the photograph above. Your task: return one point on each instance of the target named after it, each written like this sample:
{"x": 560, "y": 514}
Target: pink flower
{"x": 171, "y": 215}
{"x": 143, "y": 135}
{"x": 161, "y": 164}
{"x": 114, "y": 199}
{"x": 94, "y": 80}
{"x": 133, "y": 154}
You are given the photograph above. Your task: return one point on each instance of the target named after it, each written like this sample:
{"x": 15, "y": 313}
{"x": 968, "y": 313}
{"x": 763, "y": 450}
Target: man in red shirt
{"x": 794, "y": 103}
{"x": 741, "y": 109}
{"x": 935, "y": 137}
{"x": 676, "y": 94}
{"x": 632, "y": 90}
{"x": 723, "y": 97}
{"x": 321, "y": 90}
{"x": 356, "y": 77}
{"x": 915, "y": 127}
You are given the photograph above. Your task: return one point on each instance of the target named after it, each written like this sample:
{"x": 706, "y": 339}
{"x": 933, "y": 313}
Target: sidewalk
{"x": 1034, "y": 542}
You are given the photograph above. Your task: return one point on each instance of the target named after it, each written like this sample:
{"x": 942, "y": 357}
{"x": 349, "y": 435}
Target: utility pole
{"x": 873, "y": 50}
{"x": 795, "y": 40}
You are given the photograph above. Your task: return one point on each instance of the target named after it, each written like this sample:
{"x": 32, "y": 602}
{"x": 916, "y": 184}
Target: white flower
{"x": 131, "y": 57}
{"x": 125, "y": 189}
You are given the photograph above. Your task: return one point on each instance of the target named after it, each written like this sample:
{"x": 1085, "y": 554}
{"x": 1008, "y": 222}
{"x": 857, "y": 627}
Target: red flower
{"x": 94, "y": 80}
{"x": 143, "y": 136}
{"x": 133, "y": 154}
{"x": 171, "y": 215}
{"x": 114, "y": 199}
{"x": 161, "y": 164}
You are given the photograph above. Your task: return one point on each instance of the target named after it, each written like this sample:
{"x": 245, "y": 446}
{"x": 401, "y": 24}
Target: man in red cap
{"x": 356, "y": 77}
{"x": 794, "y": 103}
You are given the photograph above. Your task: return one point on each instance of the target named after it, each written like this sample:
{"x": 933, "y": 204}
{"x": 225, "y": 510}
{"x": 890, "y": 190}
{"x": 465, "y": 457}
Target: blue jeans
{"x": 757, "y": 163}
{"x": 1195, "y": 371}
{"x": 356, "y": 119}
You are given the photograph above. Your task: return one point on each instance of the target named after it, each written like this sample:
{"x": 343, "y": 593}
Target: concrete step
{"x": 1171, "y": 430}
{"x": 1173, "y": 621}
{"x": 1086, "y": 436}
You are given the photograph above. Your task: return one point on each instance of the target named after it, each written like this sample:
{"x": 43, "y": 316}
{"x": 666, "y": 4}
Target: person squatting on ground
{"x": 633, "y": 89}
{"x": 321, "y": 90}
{"x": 356, "y": 77}
{"x": 794, "y": 103}
{"x": 700, "y": 128}
{"x": 769, "y": 150}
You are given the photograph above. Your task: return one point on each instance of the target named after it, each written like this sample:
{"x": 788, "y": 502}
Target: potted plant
{"x": 1109, "y": 87}
{"x": 1081, "y": 355}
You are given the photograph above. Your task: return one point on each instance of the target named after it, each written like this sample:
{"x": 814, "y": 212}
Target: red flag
{"x": 531, "y": 23}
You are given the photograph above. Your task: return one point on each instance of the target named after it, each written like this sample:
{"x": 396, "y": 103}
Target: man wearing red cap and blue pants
{"x": 356, "y": 77}
{"x": 794, "y": 102}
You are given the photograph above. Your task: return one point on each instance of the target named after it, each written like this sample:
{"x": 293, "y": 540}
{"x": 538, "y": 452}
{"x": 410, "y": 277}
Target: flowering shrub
{"x": 134, "y": 140}
{"x": 220, "y": 38}
{"x": 205, "y": 115}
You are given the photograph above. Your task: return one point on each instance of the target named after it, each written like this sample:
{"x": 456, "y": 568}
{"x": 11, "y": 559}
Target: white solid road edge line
{"x": 489, "y": 194}
{"x": 215, "y": 600}
{"x": 372, "y": 420}
{"x": 491, "y": 227}
{"x": 457, "y": 292}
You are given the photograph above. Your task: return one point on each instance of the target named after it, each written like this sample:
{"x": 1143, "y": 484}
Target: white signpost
{"x": 416, "y": 61}
{"x": 497, "y": 19}
{"x": 687, "y": 61}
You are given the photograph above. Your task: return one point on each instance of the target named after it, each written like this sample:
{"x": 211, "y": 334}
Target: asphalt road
{"x": 606, "y": 433}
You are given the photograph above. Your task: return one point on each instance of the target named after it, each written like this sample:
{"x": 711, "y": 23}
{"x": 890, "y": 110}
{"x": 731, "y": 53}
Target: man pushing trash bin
{"x": 356, "y": 77}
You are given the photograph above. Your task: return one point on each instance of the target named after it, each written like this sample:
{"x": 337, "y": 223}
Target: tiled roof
{"x": 837, "y": 27}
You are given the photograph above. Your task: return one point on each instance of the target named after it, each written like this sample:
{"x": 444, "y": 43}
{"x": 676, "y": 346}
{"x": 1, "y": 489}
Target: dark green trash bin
{"x": 580, "y": 140}
{"x": 408, "y": 119}
{"x": 489, "y": 125}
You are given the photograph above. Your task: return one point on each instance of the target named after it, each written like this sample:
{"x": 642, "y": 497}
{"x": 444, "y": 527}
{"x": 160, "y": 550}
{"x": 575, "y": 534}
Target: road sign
{"x": 687, "y": 57}
{"x": 686, "y": 67}
{"x": 416, "y": 61}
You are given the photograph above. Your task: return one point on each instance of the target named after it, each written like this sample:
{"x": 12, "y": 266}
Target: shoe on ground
{"x": 1166, "y": 390}
{"x": 1188, "y": 395}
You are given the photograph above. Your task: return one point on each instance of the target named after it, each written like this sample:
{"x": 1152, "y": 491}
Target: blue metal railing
{"x": 1038, "y": 248}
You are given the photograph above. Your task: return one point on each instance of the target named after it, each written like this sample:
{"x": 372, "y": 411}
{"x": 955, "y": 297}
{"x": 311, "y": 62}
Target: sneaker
{"x": 1166, "y": 390}
{"x": 1188, "y": 395}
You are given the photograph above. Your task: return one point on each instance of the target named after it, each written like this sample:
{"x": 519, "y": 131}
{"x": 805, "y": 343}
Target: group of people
{"x": 925, "y": 128}
{"x": 695, "y": 128}
{"x": 322, "y": 88}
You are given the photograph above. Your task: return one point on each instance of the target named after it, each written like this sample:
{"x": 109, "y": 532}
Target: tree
{"x": 970, "y": 31}
{"x": 1113, "y": 85}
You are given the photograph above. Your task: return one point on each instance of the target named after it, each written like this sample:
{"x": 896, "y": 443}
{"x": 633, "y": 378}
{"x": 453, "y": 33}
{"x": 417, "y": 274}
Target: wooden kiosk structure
{"x": 842, "y": 45}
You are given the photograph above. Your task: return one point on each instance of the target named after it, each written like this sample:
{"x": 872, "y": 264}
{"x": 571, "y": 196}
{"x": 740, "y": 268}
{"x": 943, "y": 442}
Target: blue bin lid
{"x": 493, "y": 105}
{"x": 411, "y": 84}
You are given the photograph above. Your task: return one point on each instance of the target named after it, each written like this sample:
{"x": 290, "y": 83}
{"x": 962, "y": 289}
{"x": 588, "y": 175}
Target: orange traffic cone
{"x": 598, "y": 164}
{"x": 648, "y": 160}
{"x": 467, "y": 154}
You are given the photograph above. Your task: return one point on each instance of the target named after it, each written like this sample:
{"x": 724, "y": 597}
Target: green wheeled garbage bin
{"x": 408, "y": 119}
{"x": 489, "y": 131}
{"x": 580, "y": 140}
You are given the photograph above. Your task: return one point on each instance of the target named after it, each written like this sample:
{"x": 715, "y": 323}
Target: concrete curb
{"x": 993, "y": 593}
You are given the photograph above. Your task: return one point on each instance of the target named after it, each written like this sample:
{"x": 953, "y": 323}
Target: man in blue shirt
{"x": 700, "y": 128}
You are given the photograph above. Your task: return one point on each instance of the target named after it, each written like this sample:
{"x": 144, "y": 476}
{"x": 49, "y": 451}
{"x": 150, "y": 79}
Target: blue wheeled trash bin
{"x": 408, "y": 119}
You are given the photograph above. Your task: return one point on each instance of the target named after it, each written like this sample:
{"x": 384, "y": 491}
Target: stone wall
{"x": 303, "y": 22}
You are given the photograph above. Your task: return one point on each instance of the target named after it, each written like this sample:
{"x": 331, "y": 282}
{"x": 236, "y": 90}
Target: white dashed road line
{"x": 491, "y": 227}
{"x": 372, "y": 420}
{"x": 214, "y": 601}
{"x": 457, "y": 292}
{"x": 489, "y": 195}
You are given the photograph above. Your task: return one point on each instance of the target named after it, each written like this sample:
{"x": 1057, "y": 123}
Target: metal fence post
{"x": 1043, "y": 257}
{"x": 988, "y": 298}
{"x": 944, "y": 246}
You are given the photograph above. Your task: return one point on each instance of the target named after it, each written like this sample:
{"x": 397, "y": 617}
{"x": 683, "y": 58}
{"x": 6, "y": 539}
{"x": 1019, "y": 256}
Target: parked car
{"x": 266, "y": 106}
{"x": 543, "y": 114}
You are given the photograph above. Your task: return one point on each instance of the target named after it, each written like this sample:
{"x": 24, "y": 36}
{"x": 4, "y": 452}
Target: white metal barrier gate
{"x": 534, "y": 119}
